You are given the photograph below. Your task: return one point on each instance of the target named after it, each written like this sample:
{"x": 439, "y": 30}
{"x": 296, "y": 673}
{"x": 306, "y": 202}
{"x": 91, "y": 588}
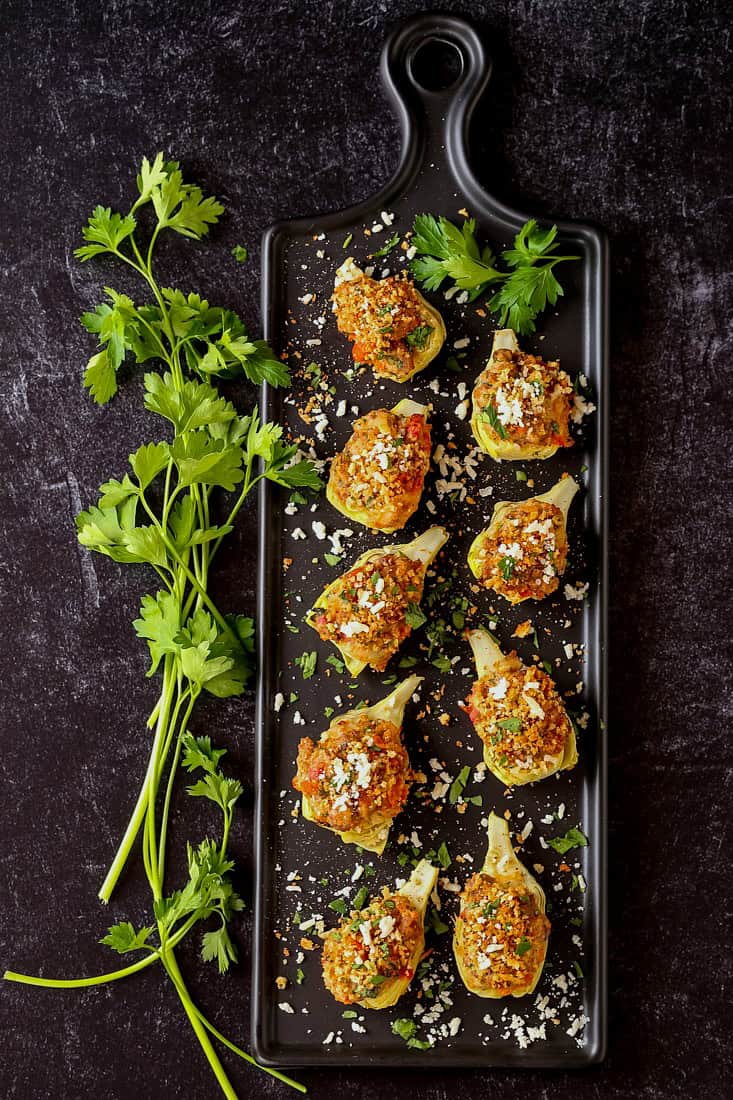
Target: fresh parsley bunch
{"x": 160, "y": 515}
{"x": 525, "y": 290}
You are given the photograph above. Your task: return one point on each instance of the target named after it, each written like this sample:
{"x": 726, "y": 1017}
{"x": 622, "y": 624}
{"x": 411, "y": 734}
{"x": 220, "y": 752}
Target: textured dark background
{"x": 618, "y": 112}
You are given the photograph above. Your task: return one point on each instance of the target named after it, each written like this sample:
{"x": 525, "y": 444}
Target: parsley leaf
{"x": 458, "y": 785}
{"x": 387, "y": 247}
{"x": 491, "y": 414}
{"x": 419, "y": 336}
{"x": 573, "y": 838}
{"x": 525, "y": 290}
{"x": 449, "y": 252}
{"x": 506, "y": 566}
{"x": 443, "y": 856}
{"x": 306, "y": 662}
{"x": 122, "y": 938}
{"x": 414, "y": 616}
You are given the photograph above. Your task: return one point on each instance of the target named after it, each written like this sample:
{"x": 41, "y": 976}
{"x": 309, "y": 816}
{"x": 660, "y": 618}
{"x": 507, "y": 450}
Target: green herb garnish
{"x": 306, "y": 662}
{"x": 443, "y": 856}
{"x": 419, "y": 336}
{"x": 361, "y": 898}
{"x": 491, "y": 414}
{"x": 573, "y": 838}
{"x": 458, "y": 785}
{"x": 525, "y": 290}
{"x": 407, "y": 1030}
{"x": 506, "y": 566}
{"x": 414, "y": 616}
{"x": 387, "y": 247}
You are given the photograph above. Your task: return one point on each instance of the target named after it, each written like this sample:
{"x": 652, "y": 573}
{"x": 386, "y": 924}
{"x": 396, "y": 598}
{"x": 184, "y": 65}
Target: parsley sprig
{"x": 524, "y": 291}
{"x": 160, "y": 515}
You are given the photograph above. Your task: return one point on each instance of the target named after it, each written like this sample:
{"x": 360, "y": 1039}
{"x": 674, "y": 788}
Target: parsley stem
{"x": 171, "y": 965}
{"x": 248, "y": 1057}
{"x": 171, "y": 782}
{"x": 138, "y": 814}
{"x": 248, "y": 486}
{"x": 193, "y": 580}
{"x": 238, "y": 1050}
{"x": 102, "y": 979}
{"x": 79, "y": 983}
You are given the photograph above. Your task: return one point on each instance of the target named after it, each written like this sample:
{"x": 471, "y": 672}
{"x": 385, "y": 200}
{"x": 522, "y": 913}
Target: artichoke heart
{"x": 523, "y": 552}
{"x": 519, "y": 716}
{"x": 501, "y": 931}
{"x": 377, "y": 480}
{"x": 356, "y": 779}
{"x": 370, "y": 958}
{"x": 369, "y": 610}
{"x": 391, "y": 325}
{"x": 521, "y": 404}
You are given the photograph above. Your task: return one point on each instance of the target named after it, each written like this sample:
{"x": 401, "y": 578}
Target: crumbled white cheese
{"x": 576, "y": 592}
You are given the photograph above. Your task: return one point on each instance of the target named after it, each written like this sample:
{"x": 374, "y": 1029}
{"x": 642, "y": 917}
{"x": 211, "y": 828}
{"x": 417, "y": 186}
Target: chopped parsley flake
{"x": 573, "y": 838}
{"x": 307, "y": 663}
{"x": 419, "y": 336}
{"x": 414, "y": 616}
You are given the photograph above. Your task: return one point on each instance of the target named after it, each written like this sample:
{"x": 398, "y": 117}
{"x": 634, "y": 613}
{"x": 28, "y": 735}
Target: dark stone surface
{"x": 620, "y": 113}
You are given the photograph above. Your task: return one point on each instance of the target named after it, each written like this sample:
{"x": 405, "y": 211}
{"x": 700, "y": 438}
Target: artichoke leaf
{"x": 490, "y": 659}
{"x": 425, "y": 548}
{"x": 504, "y": 867}
{"x": 390, "y": 709}
{"x": 418, "y": 889}
{"x": 349, "y": 271}
{"x": 504, "y": 449}
{"x": 561, "y": 495}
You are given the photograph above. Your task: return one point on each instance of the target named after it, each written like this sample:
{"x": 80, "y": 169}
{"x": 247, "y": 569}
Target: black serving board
{"x": 301, "y": 868}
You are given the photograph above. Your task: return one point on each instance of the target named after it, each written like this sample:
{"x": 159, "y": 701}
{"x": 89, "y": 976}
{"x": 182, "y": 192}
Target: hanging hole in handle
{"x": 436, "y": 65}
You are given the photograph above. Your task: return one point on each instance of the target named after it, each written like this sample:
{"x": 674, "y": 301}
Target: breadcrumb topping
{"x": 524, "y": 399}
{"x": 381, "y": 470}
{"x": 371, "y": 946}
{"x": 519, "y": 716}
{"x": 502, "y": 934}
{"x": 525, "y": 553}
{"x": 358, "y": 769}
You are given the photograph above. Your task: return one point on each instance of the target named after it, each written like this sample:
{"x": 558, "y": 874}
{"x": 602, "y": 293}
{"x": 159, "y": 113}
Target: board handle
{"x": 435, "y": 69}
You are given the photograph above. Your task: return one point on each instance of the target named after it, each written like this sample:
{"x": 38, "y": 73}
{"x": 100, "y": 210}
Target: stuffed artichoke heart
{"x": 501, "y": 931}
{"x": 391, "y": 325}
{"x": 368, "y": 611}
{"x": 370, "y": 958}
{"x": 519, "y": 716}
{"x": 521, "y": 404}
{"x": 356, "y": 778}
{"x": 377, "y": 479}
{"x": 523, "y": 552}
